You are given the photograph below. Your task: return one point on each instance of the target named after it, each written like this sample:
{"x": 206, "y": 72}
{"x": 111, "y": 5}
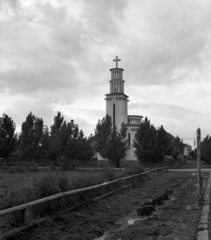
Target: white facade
{"x": 187, "y": 150}
{"x": 132, "y": 126}
{"x": 117, "y": 108}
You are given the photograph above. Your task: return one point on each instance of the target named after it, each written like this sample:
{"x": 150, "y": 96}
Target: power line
{"x": 191, "y": 138}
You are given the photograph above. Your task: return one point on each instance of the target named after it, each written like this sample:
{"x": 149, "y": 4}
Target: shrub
{"x": 51, "y": 184}
{"x": 17, "y": 197}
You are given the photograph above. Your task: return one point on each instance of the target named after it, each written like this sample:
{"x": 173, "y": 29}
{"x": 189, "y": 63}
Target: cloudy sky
{"x": 56, "y": 56}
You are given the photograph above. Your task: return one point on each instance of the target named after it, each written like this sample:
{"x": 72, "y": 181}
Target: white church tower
{"x": 116, "y": 100}
{"x": 117, "y": 108}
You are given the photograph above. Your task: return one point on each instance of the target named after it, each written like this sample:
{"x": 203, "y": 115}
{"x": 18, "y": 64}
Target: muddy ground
{"x": 174, "y": 215}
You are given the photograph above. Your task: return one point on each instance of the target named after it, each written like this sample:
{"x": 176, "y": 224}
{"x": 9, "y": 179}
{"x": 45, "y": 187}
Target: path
{"x": 204, "y": 225}
{"x": 176, "y": 218}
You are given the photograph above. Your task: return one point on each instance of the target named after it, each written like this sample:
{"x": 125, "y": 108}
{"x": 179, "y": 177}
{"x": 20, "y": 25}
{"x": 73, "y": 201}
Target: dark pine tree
{"x": 111, "y": 144}
{"x": 30, "y": 140}
{"x": 8, "y": 138}
{"x": 162, "y": 144}
{"x": 145, "y": 142}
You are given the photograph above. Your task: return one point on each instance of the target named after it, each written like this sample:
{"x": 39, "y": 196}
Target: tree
{"x": 115, "y": 148}
{"x": 56, "y": 140}
{"x": 31, "y": 137}
{"x": 45, "y": 145}
{"x": 8, "y": 138}
{"x": 145, "y": 142}
{"x": 85, "y": 149}
{"x": 111, "y": 144}
{"x": 102, "y": 133}
{"x": 152, "y": 145}
{"x": 66, "y": 141}
{"x": 58, "y": 122}
{"x": 162, "y": 144}
{"x": 71, "y": 147}
{"x": 77, "y": 146}
{"x": 206, "y": 149}
{"x": 176, "y": 147}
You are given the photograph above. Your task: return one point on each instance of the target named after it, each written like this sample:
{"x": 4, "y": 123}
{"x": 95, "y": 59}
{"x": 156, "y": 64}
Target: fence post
{"x": 28, "y": 215}
{"x": 199, "y": 177}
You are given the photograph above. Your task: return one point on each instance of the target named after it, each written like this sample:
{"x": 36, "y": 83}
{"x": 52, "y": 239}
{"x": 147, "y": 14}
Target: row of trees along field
{"x": 65, "y": 140}
{"x": 36, "y": 141}
{"x": 152, "y": 145}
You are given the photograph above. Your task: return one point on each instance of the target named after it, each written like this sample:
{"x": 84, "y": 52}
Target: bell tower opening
{"x": 117, "y": 82}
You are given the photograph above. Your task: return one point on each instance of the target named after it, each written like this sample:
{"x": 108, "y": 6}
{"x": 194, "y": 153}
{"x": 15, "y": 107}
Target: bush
{"x": 17, "y": 197}
{"x": 51, "y": 184}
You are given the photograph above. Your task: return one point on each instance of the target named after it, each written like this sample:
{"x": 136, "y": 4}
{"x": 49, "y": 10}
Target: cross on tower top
{"x": 116, "y": 60}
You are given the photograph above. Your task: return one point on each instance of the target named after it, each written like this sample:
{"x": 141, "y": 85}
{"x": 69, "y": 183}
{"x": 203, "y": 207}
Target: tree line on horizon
{"x": 151, "y": 144}
{"x": 37, "y": 141}
{"x": 65, "y": 140}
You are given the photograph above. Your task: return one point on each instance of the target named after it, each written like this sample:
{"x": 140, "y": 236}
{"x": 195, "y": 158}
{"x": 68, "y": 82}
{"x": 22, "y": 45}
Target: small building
{"x": 117, "y": 109}
{"x": 187, "y": 150}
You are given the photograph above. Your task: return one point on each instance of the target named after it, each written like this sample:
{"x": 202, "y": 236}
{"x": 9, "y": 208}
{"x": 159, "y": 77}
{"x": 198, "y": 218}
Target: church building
{"x": 117, "y": 109}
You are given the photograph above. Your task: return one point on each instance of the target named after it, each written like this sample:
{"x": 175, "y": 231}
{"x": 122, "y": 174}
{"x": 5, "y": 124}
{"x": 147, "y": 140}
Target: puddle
{"x": 146, "y": 210}
{"x": 132, "y": 221}
{"x": 104, "y": 237}
{"x": 149, "y": 207}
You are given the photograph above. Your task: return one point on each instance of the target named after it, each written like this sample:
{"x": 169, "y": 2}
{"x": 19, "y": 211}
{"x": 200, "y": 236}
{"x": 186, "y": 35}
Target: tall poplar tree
{"x": 176, "y": 147}
{"x": 111, "y": 144}
{"x": 68, "y": 142}
{"x": 56, "y": 149}
{"x": 145, "y": 142}
{"x": 31, "y": 137}
{"x": 163, "y": 144}
{"x": 206, "y": 149}
{"x": 8, "y": 138}
{"x": 152, "y": 145}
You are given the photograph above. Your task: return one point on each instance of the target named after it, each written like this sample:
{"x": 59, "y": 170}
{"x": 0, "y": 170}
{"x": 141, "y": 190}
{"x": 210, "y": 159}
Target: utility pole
{"x": 183, "y": 158}
{"x": 199, "y": 177}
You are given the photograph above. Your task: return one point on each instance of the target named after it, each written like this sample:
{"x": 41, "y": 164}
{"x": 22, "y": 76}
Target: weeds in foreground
{"x": 51, "y": 184}
{"x": 56, "y": 182}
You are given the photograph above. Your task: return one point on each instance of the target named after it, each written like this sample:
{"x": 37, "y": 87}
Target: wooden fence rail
{"x": 20, "y": 217}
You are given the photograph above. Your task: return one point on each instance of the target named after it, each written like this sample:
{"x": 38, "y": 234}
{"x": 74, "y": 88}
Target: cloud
{"x": 56, "y": 56}
{"x": 177, "y": 120}
{"x": 168, "y": 36}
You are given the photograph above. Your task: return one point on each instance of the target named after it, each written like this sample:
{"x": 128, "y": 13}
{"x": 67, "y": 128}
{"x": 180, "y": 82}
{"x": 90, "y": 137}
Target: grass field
{"x": 9, "y": 182}
{"x": 13, "y": 180}
{"x": 21, "y": 185}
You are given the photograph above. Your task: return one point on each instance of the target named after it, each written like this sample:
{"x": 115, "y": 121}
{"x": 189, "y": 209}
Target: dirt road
{"x": 132, "y": 213}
